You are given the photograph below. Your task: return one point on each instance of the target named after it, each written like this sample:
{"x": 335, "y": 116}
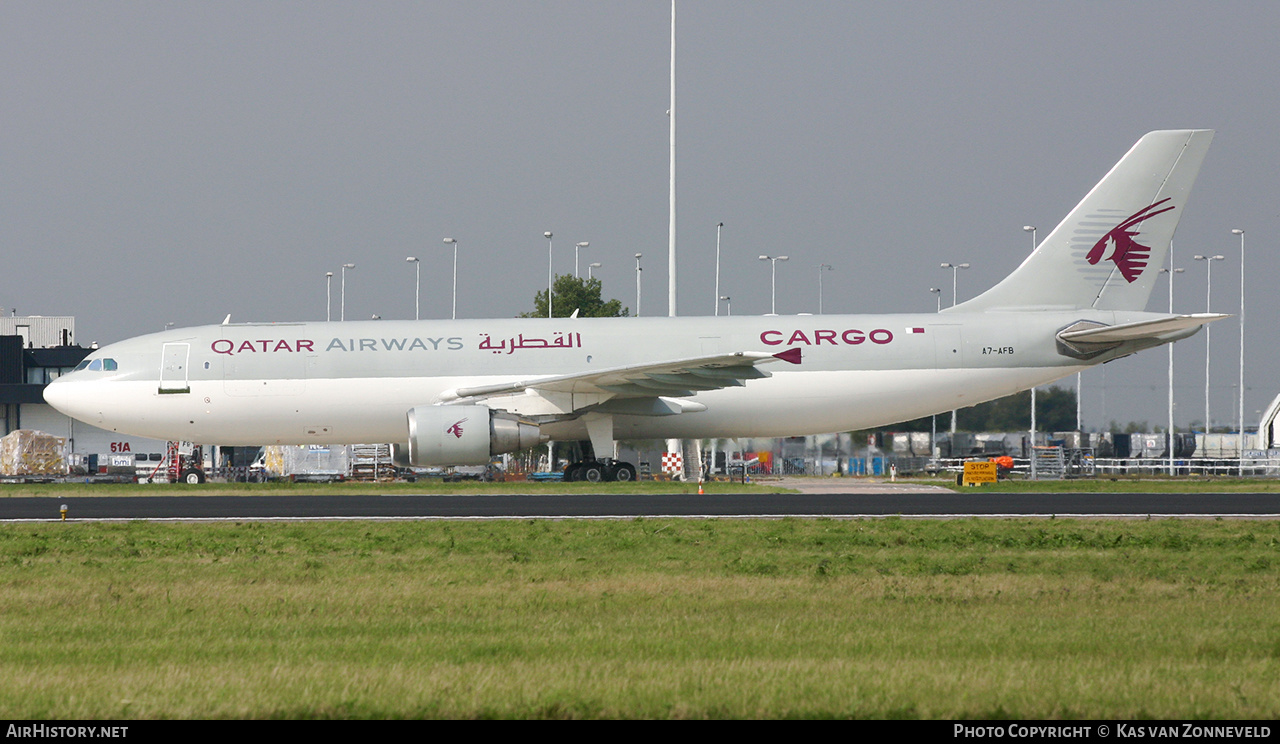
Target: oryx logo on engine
{"x": 456, "y": 429}
{"x": 1119, "y": 245}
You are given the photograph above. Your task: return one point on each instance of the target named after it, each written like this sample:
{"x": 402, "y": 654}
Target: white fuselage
{"x": 335, "y": 383}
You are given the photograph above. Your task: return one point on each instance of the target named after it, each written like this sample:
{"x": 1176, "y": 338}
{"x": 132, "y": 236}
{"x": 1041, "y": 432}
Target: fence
{"x": 1077, "y": 466}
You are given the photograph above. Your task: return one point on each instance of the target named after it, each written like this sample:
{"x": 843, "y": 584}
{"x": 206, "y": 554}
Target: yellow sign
{"x": 979, "y": 472}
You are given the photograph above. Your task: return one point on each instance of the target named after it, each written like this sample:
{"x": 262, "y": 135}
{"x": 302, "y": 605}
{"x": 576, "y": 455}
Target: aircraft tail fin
{"x": 1107, "y": 252}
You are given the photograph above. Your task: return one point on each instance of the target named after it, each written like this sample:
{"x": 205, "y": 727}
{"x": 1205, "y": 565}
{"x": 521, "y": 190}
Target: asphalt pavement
{"x": 841, "y": 499}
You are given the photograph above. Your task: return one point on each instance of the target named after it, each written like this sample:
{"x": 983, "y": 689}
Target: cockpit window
{"x": 98, "y": 365}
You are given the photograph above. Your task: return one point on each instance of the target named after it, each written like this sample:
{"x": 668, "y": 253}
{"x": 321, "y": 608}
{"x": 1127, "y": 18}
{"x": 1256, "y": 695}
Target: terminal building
{"x": 35, "y": 351}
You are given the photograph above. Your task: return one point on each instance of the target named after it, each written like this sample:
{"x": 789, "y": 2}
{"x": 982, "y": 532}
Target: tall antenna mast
{"x": 673, "y": 445}
{"x": 671, "y": 114}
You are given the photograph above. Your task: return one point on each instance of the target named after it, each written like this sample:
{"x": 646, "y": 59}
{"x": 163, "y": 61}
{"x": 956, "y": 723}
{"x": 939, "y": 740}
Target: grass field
{"x": 768, "y": 485}
{"x": 645, "y": 618}
{"x": 350, "y": 488}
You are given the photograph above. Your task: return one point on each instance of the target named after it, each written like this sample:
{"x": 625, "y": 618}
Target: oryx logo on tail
{"x": 1119, "y": 245}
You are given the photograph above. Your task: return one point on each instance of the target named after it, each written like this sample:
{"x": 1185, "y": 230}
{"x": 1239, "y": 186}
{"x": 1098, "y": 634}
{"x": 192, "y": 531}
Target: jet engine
{"x": 462, "y": 435}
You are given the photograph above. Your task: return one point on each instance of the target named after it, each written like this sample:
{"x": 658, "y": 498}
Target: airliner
{"x": 458, "y": 392}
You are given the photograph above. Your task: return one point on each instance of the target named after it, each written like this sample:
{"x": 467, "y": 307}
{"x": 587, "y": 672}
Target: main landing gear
{"x": 597, "y": 471}
{"x": 592, "y": 469}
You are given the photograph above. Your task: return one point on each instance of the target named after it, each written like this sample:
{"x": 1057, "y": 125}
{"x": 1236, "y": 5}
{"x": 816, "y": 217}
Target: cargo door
{"x": 173, "y": 369}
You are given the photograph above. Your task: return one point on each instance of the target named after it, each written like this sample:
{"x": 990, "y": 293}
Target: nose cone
{"x": 55, "y": 394}
{"x": 68, "y": 397}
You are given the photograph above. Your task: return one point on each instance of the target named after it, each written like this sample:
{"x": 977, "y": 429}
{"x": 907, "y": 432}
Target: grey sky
{"x": 173, "y": 162}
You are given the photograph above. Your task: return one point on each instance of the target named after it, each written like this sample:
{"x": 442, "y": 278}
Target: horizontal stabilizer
{"x": 1144, "y": 329}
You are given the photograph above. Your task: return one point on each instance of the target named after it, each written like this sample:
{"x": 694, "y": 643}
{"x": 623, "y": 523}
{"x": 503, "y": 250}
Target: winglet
{"x": 790, "y": 355}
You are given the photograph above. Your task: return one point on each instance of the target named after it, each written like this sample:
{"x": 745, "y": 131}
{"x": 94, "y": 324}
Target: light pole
{"x": 1208, "y": 299}
{"x": 577, "y": 248}
{"x": 728, "y": 305}
{"x": 933, "y": 437}
{"x": 454, "y": 243}
{"x": 343, "y": 315}
{"x": 591, "y": 266}
{"x": 417, "y": 285}
{"x": 955, "y": 269}
{"x": 719, "y": 227}
{"x": 638, "y": 270}
{"x": 1240, "y": 418}
{"x": 1171, "y": 272}
{"x": 1032, "y": 229}
{"x": 821, "y": 268}
{"x": 933, "y": 424}
{"x": 328, "y": 296}
{"x": 1032, "y": 453}
{"x": 550, "y": 279}
{"x": 773, "y": 281}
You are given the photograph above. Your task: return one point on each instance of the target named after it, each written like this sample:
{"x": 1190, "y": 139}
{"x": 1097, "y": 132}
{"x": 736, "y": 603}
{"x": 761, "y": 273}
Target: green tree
{"x": 575, "y": 293}
{"x": 1055, "y": 411}
{"x": 1133, "y": 427}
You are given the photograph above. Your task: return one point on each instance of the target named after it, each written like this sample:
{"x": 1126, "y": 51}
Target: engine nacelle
{"x": 463, "y": 435}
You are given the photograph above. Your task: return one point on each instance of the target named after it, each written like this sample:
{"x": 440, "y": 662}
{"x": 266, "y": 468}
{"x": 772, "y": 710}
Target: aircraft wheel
{"x": 622, "y": 472}
{"x": 572, "y": 472}
{"x": 192, "y": 477}
{"x": 593, "y": 472}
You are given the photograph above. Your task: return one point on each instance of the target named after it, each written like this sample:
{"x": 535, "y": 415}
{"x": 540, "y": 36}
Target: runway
{"x": 908, "y": 503}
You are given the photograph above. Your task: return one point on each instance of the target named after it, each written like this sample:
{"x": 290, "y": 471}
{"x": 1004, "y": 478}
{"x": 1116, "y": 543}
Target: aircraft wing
{"x": 1140, "y": 330}
{"x": 674, "y": 378}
